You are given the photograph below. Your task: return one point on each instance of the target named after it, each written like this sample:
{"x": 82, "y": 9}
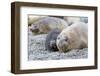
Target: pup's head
{"x": 62, "y": 43}
{"x": 34, "y": 28}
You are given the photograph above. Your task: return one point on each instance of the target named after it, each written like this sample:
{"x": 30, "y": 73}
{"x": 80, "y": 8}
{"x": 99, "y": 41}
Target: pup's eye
{"x": 66, "y": 39}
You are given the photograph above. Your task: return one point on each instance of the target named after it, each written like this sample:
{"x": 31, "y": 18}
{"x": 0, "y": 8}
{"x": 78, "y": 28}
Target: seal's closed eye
{"x": 58, "y": 38}
{"x": 66, "y": 39}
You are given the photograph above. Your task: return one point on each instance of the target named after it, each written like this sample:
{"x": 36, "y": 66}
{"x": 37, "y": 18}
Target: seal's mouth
{"x": 35, "y": 30}
{"x": 64, "y": 48}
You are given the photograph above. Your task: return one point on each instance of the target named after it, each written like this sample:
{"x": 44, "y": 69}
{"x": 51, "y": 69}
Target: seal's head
{"x": 67, "y": 40}
{"x": 34, "y": 28}
{"x": 62, "y": 43}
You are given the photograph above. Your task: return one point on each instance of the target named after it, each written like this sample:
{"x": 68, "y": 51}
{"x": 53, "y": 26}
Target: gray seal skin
{"x": 73, "y": 19}
{"x": 50, "y": 43}
{"x": 84, "y": 19}
{"x": 46, "y": 24}
{"x": 73, "y": 37}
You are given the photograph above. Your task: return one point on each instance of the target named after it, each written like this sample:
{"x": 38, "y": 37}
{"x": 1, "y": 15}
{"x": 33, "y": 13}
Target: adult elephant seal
{"x": 73, "y": 37}
{"x": 46, "y": 24}
{"x": 32, "y": 19}
{"x": 73, "y": 19}
{"x": 50, "y": 43}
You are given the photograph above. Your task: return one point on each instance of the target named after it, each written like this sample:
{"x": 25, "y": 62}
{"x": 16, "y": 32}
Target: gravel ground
{"x": 36, "y": 50}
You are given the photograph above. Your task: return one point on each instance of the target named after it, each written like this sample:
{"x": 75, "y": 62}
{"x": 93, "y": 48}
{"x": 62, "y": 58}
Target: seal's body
{"x": 46, "y": 24}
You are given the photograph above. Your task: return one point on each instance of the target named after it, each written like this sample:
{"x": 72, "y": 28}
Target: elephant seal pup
{"x": 73, "y": 19}
{"x": 50, "y": 43}
{"x": 73, "y": 37}
{"x": 44, "y": 25}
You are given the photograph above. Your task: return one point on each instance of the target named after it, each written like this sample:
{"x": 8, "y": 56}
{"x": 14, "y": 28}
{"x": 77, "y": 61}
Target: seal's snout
{"x": 52, "y": 43}
{"x": 35, "y": 29}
